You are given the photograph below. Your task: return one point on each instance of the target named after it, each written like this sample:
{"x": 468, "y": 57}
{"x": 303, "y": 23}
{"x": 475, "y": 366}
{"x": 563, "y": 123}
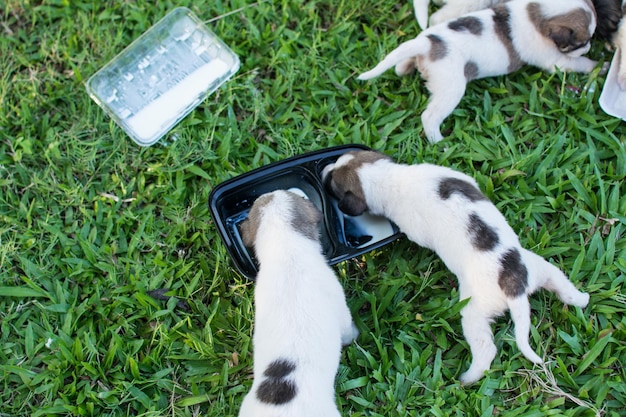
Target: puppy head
{"x": 570, "y": 31}
{"x": 341, "y": 179}
{"x": 282, "y": 208}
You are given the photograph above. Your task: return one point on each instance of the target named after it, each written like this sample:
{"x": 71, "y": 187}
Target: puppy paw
{"x": 471, "y": 376}
{"x": 580, "y": 300}
{"x": 430, "y": 122}
{"x": 433, "y": 135}
{"x": 533, "y": 357}
{"x": 348, "y": 336}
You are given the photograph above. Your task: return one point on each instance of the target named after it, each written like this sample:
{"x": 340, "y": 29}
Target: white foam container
{"x": 613, "y": 98}
{"x": 162, "y": 76}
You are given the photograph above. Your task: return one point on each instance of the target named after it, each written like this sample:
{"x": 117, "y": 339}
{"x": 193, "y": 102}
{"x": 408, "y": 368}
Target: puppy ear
{"x": 352, "y": 205}
{"x": 562, "y": 36}
{"x": 247, "y": 233}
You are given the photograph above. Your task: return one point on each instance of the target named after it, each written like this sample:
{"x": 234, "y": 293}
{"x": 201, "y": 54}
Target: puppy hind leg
{"x": 477, "y": 332}
{"x": 405, "y": 67}
{"x": 520, "y": 314}
{"x": 553, "y": 279}
{"x": 420, "y": 7}
{"x": 446, "y": 94}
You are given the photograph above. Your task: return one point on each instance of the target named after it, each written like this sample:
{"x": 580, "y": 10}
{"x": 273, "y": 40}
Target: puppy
{"x": 608, "y": 13}
{"x": 547, "y": 34}
{"x": 609, "y": 25}
{"x": 444, "y": 210}
{"x": 301, "y": 316}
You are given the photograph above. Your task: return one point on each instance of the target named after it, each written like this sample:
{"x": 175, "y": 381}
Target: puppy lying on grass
{"x": 301, "y": 316}
{"x": 547, "y": 34}
{"x": 608, "y": 12}
{"x": 444, "y": 210}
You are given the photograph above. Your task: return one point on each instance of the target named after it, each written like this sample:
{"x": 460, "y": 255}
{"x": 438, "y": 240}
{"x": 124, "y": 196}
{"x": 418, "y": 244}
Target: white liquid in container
{"x": 162, "y": 76}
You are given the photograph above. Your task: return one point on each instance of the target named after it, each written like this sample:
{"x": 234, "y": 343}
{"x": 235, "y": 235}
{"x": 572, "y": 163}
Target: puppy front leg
{"x": 477, "y": 332}
{"x": 446, "y": 94}
{"x": 576, "y": 64}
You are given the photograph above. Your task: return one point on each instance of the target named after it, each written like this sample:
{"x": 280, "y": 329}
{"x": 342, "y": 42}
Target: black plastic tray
{"x": 342, "y": 236}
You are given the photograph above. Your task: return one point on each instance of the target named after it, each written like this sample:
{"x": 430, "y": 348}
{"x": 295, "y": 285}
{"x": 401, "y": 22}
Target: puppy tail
{"x": 553, "y": 279}
{"x": 421, "y": 12}
{"x": 406, "y": 50}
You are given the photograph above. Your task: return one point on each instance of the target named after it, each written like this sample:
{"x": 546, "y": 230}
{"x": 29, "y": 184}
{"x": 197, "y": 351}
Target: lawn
{"x": 117, "y": 296}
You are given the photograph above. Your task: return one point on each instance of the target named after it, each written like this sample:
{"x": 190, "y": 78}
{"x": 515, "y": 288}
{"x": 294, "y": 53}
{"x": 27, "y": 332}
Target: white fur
{"x": 408, "y": 195}
{"x": 446, "y": 78}
{"x": 451, "y": 10}
{"x": 300, "y": 315}
{"x": 455, "y": 8}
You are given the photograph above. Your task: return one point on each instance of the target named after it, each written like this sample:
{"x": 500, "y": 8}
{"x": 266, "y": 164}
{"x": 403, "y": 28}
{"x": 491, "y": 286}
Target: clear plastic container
{"x": 162, "y": 76}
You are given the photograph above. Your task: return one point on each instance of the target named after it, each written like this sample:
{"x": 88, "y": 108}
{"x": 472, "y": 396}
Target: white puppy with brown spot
{"x": 444, "y": 210}
{"x": 547, "y": 34}
{"x": 608, "y": 12}
{"x": 301, "y": 316}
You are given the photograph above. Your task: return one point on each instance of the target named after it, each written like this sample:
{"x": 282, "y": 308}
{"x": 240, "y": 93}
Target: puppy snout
{"x": 578, "y": 49}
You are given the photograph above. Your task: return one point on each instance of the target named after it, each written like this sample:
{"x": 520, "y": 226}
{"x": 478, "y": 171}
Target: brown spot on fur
{"x": 502, "y": 27}
{"x": 470, "y": 24}
{"x": 513, "y": 277}
{"x": 250, "y": 226}
{"x": 470, "y": 71}
{"x": 484, "y": 238}
{"x": 305, "y": 217}
{"x": 568, "y": 31}
{"x": 276, "y": 389}
{"x": 438, "y": 48}
{"x": 449, "y": 186}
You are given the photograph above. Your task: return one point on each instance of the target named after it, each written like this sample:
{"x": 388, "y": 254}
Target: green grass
{"x": 91, "y": 224}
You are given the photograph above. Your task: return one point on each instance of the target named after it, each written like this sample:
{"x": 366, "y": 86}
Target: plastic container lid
{"x": 162, "y": 76}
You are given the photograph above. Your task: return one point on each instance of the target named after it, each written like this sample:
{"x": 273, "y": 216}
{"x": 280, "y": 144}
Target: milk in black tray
{"x": 342, "y": 236}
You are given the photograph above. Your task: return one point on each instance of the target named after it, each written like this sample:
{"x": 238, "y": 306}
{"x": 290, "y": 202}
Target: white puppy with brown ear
{"x": 547, "y": 34}
{"x": 301, "y": 316}
{"x": 444, "y": 210}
